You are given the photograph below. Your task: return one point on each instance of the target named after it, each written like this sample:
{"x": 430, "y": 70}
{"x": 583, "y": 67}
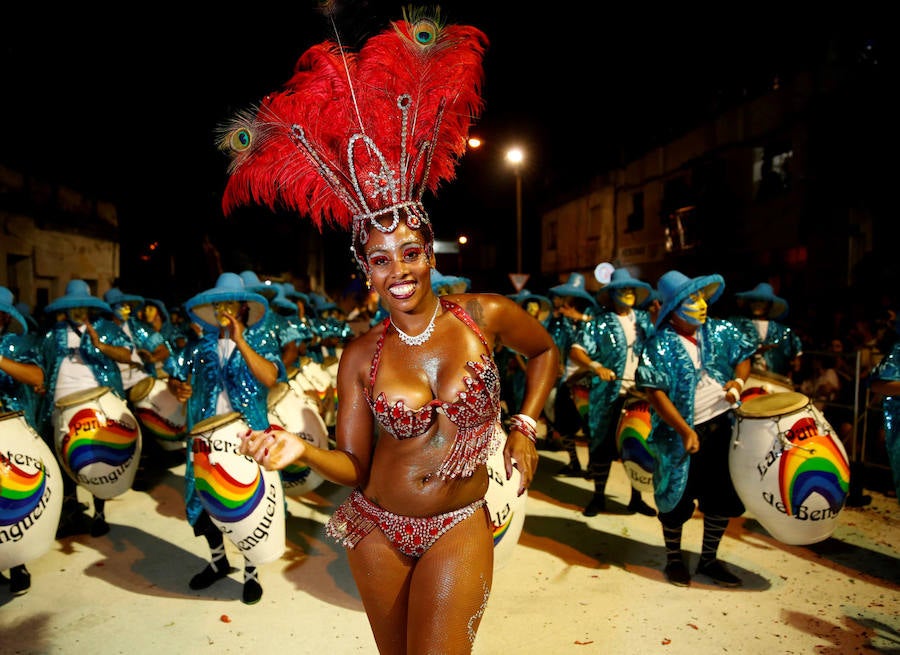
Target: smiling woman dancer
{"x": 356, "y": 138}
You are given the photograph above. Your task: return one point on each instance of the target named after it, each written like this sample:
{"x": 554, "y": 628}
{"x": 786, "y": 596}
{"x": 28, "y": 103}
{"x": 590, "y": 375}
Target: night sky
{"x": 126, "y": 108}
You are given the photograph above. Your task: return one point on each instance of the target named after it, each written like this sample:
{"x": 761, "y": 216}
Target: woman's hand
{"x": 522, "y": 449}
{"x": 272, "y": 448}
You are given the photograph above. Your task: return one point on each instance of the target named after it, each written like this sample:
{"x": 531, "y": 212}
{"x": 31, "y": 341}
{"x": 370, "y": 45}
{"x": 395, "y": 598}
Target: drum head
{"x": 770, "y": 376}
{"x": 81, "y": 397}
{"x": 773, "y": 404}
{"x": 214, "y": 422}
{"x": 8, "y": 415}
{"x": 277, "y": 393}
{"x": 139, "y": 391}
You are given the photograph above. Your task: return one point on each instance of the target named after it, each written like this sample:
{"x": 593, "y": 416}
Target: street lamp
{"x": 515, "y": 157}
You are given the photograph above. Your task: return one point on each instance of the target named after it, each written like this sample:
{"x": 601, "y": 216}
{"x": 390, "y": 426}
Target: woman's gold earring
{"x": 368, "y": 283}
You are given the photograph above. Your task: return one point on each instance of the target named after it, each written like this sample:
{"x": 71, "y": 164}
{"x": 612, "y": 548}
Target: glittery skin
{"x": 476, "y": 618}
{"x": 666, "y": 365}
{"x": 105, "y": 370}
{"x": 209, "y": 377}
{"x": 474, "y": 412}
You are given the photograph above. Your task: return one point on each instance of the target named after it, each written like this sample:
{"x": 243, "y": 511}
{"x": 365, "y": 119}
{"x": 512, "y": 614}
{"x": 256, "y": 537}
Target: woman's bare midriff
{"x": 403, "y": 475}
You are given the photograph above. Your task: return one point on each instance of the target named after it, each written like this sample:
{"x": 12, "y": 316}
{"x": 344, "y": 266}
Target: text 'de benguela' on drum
{"x": 789, "y": 467}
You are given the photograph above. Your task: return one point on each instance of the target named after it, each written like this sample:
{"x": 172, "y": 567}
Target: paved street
{"x": 571, "y": 585}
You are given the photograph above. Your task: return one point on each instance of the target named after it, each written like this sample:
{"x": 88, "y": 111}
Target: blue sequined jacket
{"x": 604, "y": 341}
{"x": 666, "y": 365}
{"x": 144, "y": 337}
{"x": 888, "y": 369}
{"x": 14, "y": 395}
{"x": 105, "y": 370}
{"x": 209, "y": 377}
{"x": 787, "y": 343}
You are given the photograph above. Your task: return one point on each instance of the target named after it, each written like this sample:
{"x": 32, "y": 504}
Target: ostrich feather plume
{"x": 354, "y": 136}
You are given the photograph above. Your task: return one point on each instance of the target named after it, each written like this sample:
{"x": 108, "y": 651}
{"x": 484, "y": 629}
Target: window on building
{"x": 682, "y": 230}
{"x": 772, "y": 170}
{"x": 635, "y": 221}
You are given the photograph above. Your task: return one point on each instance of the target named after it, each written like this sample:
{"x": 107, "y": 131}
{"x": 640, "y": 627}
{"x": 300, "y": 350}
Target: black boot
{"x": 19, "y": 580}
{"x": 856, "y": 497}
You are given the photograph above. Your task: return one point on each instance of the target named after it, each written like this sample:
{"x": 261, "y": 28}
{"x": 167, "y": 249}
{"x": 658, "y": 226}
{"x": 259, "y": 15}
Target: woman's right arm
{"x": 348, "y": 464}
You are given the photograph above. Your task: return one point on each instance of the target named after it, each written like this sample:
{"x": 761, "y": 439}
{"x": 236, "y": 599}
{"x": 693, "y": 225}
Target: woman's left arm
{"x": 524, "y": 334}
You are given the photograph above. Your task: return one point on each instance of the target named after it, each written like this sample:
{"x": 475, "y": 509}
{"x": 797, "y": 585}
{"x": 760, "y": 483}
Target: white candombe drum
{"x": 30, "y": 492}
{"x": 98, "y": 441}
{"x": 312, "y": 376}
{"x": 506, "y": 508}
{"x": 245, "y": 501}
{"x": 789, "y": 467}
{"x": 160, "y": 413}
{"x": 291, "y": 409}
{"x": 632, "y": 433}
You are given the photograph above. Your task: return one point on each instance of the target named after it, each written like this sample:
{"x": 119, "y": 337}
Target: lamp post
{"x": 515, "y": 157}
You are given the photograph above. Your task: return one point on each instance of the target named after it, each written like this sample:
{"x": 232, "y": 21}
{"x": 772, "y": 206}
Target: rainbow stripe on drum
{"x": 20, "y": 492}
{"x": 93, "y": 438}
{"x": 501, "y": 530}
{"x": 226, "y": 499}
{"x": 814, "y": 464}
{"x": 634, "y": 430}
{"x": 159, "y": 427}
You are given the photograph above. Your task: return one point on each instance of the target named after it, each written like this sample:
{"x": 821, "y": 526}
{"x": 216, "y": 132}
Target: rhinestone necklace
{"x": 423, "y": 336}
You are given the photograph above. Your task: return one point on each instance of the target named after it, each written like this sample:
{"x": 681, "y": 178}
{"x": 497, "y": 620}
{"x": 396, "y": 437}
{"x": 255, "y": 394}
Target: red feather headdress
{"x": 354, "y": 138}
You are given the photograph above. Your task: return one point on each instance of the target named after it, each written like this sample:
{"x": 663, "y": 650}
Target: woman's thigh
{"x": 449, "y": 588}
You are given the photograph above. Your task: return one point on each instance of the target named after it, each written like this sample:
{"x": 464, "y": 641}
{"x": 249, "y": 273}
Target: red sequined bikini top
{"x": 475, "y": 412}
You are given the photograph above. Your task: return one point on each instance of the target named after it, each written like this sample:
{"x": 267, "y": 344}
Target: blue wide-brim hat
{"x": 320, "y": 303}
{"x": 229, "y": 287}
{"x": 160, "y": 307}
{"x": 78, "y": 294}
{"x": 7, "y": 306}
{"x": 292, "y": 294}
{"x": 253, "y": 284}
{"x": 282, "y": 304}
{"x": 575, "y": 288}
{"x": 115, "y": 297}
{"x": 525, "y": 296}
{"x": 621, "y": 279}
{"x": 450, "y": 283}
{"x": 675, "y": 287}
{"x": 764, "y": 292}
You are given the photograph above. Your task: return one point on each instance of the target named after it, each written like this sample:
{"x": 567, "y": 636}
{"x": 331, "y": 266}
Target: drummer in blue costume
{"x": 81, "y": 352}
{"x": 155, "y": 313}
{"x": 512, "y": 364}
{"x": 609, "y": 346}
{"x": 777, "y": 346}
{"x": 692, "y": 371}
{"x": 147, "y": 345}
{"x": 231, "y": 368}
{"x": 21, "y": 377}
{"x": 573, "y": 305}
{"x": 885, "y": 380}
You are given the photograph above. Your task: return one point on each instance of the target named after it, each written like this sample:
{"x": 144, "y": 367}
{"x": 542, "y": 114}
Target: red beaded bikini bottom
{"x": 411, "y": 535}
